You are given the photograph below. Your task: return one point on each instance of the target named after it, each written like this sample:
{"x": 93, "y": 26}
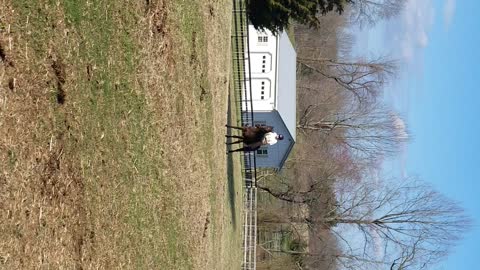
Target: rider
{"x": 271, "y": 138}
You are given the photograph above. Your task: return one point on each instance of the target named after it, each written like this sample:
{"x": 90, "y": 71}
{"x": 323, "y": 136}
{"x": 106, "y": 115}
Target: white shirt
{"x": 270, "y": 138}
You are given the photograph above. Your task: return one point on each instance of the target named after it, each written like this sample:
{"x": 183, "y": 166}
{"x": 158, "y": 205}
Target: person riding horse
{"x": 254, "y": 137}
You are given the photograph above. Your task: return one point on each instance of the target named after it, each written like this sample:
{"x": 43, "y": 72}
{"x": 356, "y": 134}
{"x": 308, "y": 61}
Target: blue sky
{"x": 438, "y": 45}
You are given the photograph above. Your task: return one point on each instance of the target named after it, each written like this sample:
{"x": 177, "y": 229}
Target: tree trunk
{"x": 288, "y": 197}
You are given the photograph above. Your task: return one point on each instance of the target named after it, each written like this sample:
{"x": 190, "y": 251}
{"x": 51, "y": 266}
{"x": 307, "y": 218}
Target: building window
{"x": 264, "y": 57}
{"x": 262, "y": 97}
{"x": 263, "y": 83}
{"x": 263, "y": 70}
{"x": 262, "y": 152}
{"x": 262, "y": 39}
{"x": 263, "y": 92}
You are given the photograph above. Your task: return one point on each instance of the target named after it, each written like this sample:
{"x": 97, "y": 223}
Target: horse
{"x": 251, "y": 137}
{"x": 250, "y": 134}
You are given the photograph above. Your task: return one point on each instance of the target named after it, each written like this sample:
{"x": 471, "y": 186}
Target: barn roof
{"x": 287, "y": 94}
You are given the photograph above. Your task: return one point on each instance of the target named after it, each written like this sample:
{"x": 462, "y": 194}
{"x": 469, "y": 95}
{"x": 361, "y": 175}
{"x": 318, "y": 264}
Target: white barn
{"x": 273, "y": 82}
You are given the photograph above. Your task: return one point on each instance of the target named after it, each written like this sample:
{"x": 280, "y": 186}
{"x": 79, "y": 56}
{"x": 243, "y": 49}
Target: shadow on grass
{"x": 230, "y": 170}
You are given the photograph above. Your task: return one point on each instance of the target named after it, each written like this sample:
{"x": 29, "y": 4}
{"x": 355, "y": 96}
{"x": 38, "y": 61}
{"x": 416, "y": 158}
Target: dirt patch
{"x": 3, "y": 55}
{"x": 160, "y": 16}
{"x": 193, "y": 53}
{"x": 205, "y": 227}
{"x": 211, "y": 10}
{"x": 61, "y": 185}
{"x": 11, "y": 84}
{"x": 60, "y": 94}
{"x": 160, "y": 27}
{"x": 59, "y": 69}
{"x": 89, "y": 72}
{"x": 60, "y": 75}
{"x": 203, "y": 93}
{"x": 49, "y": 179}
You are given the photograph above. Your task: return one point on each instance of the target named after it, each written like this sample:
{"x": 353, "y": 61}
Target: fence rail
{"x": 243, "y": 95}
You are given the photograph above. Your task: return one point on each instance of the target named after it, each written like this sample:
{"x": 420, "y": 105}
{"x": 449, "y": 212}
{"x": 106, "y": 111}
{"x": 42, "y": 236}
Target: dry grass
{"x": 111, "y": 135}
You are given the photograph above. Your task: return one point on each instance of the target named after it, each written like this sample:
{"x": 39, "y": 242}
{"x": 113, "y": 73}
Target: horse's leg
{"x": 243, "y": 149}
{"x": 234, "y": 136}
{"x": 234, "y": 127}
{"x": 239, "y": 141}
{"x": 247, "y": 148}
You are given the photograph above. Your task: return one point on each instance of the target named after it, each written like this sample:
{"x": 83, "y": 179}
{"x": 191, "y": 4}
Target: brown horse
{"x": 251, "y": 137}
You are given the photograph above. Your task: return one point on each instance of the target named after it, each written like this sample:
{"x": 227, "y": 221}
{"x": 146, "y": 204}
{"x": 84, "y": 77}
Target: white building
{"x": 273, "y": 82}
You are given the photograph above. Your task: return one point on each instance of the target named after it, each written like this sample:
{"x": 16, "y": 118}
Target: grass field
{"x": 112, "y": 151}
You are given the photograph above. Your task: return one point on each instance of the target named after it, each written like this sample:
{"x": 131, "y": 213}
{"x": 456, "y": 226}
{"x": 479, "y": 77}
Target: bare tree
{"x": 317, "y": 183}
{"x": 285, "y": 190}
{"x": 321, "y": 41}
{"x": 403, "y": 224}
{"x": 364, "y": 79}
{"x": 368, "y": 12}
{"x": 369, "y": 130}
{"x": 346, "y": 43}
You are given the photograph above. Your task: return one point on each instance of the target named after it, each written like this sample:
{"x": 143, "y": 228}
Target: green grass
{"x": 117, "y": 148}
